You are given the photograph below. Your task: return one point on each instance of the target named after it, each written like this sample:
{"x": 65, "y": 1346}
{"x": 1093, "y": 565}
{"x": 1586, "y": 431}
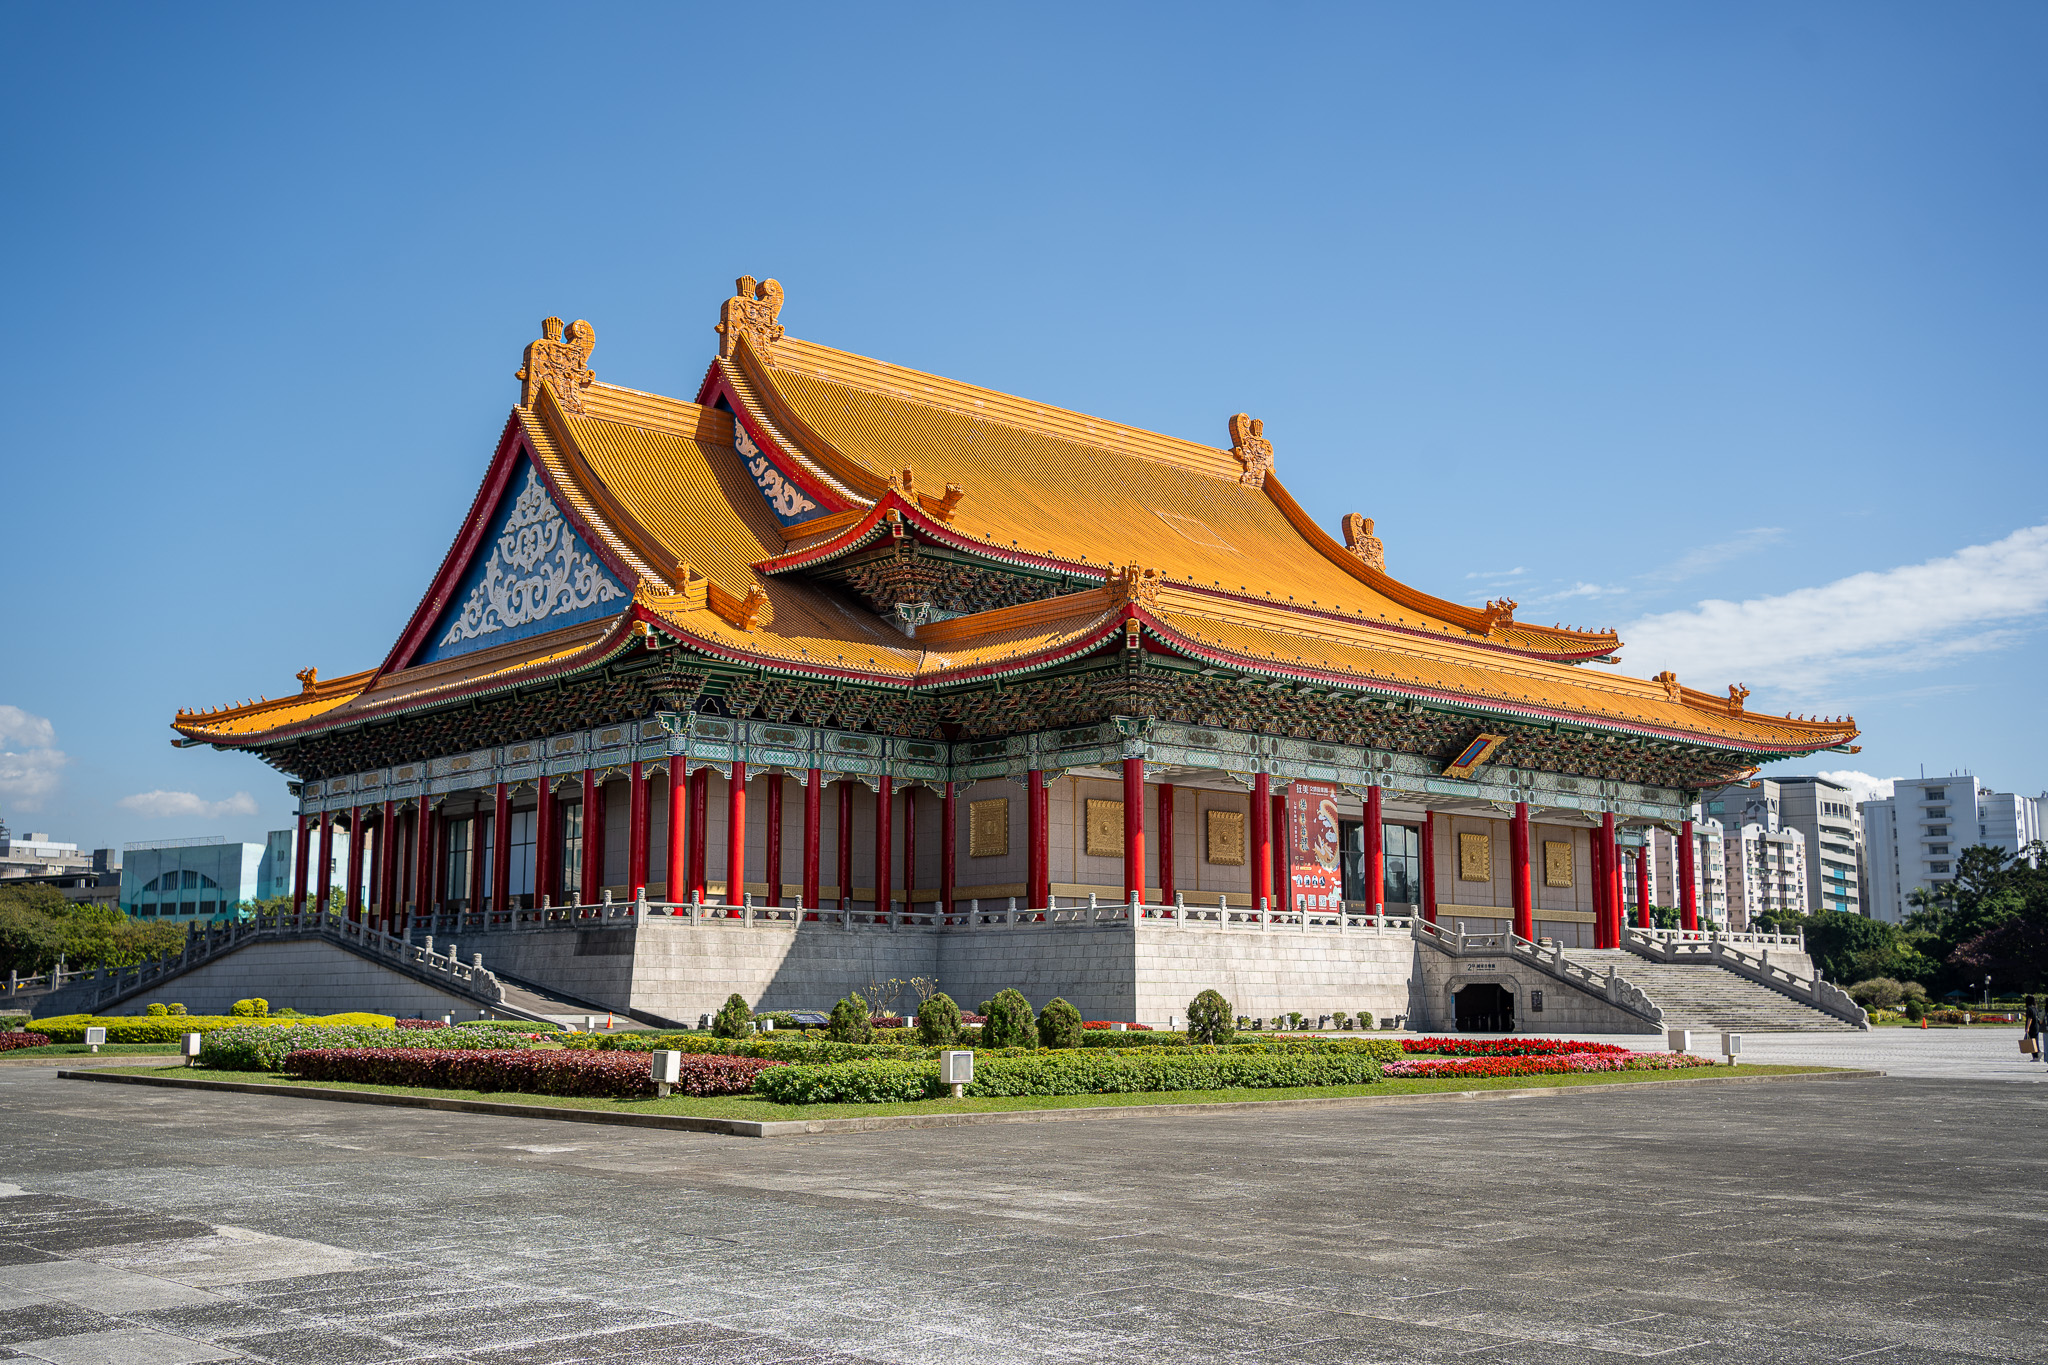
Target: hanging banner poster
{"x": 1315, "y": 875}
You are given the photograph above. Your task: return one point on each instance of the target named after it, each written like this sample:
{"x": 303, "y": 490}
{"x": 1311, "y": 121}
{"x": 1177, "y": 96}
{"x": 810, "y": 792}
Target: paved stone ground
{"x": 1896, "y": 1221}
{"x": 1980, "y": 1054}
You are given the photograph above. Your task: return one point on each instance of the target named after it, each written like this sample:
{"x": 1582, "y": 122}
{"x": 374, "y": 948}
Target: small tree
{"x": 1210, "y": 1019}
{"x": 1011, "y": 1022}
{"x": 734, "y": 1019}
{"x": 938, "y": 1021}
{"x": 250, "y": 1009}
{"x": 1059, "y": 1024}
{"x": 1878, "y": 993}
{"x": 849, "y": 1022}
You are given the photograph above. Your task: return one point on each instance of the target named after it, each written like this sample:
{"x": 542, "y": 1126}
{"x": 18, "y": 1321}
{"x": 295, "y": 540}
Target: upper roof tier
{"x": 609, "y": 517}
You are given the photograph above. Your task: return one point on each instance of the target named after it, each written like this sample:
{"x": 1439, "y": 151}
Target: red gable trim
{"x": 475, "y": 527}
{"x": 791, "y": 467}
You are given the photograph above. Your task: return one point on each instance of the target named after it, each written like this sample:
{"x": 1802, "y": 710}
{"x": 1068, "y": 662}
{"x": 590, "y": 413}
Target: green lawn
{"x": 106, "y": 1049}
{"x": 747, "y": 1107}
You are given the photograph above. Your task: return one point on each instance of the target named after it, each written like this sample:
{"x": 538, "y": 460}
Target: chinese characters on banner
{"x": 1315, "y": 876}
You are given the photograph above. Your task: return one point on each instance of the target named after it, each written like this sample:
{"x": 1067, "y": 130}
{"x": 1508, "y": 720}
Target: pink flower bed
{"x": 417, "y": 1023}
{"x": 11, "y": 1041}
{"x": 1509, "y": 1047}
{"x": 596, "y": 1075}
{"x": 1110, "y": 1024}
{"x": 1564, "y": 1064}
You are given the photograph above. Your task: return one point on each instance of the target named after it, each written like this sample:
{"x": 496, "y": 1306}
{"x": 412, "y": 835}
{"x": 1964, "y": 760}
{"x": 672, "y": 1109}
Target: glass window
{"x": 572, "y": 854}
{"x": 457, "y": 878}
{"x": 1404, "y": 864}
{"x": 1937, "y": 794}
{"x": 487, "y": 833}
{"x": 521, "y": 882}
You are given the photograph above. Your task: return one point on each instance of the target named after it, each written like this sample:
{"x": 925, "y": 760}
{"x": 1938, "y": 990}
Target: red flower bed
{"x": 1108, "y": 1024}
{"x": 417, "y": 1023}
{"x": 1509, "y": 1047}
{"x": 11, "y": 1041}
{"x": 1576, "y": 1063}
{"x": 599, "y": 1075}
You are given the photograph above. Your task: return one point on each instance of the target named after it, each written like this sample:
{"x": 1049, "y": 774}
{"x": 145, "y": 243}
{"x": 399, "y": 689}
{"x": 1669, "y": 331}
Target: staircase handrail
{"x": 1815, "y": 993}
{"x": 1616, "y": 989}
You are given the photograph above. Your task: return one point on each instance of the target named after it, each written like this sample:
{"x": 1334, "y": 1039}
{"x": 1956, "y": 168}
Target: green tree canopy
{"x": 38, "y": 926}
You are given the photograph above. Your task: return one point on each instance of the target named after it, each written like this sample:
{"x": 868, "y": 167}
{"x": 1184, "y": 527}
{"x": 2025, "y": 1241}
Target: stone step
{"x": 1707, "y": 996}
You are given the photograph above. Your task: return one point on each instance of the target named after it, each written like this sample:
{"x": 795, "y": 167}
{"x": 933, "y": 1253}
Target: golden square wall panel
{"x": 1105, "y": 829}
{"x": 1475, "y": 858}
{"x": 988, "y": 827}
{"x": 1557, "y": 863}
{"x": 1226, "y": 838}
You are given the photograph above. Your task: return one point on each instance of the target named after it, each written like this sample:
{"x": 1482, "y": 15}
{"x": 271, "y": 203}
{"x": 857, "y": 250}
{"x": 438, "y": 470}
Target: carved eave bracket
{"x": 1249, "y": 444}
{"x": 751, "y": 312}
{"x": 561, "y": 362}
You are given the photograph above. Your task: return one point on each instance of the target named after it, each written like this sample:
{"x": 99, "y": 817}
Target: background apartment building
{"x": 1825, "y": 813}
{"x": 1914, "y": 837}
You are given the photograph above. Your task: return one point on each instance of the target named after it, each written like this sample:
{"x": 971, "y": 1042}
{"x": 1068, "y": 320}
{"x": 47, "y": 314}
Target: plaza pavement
{"x": 1895, "y": 1220}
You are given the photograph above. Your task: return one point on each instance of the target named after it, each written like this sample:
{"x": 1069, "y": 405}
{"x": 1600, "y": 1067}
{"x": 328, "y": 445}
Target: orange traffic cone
{"x": 1923, "y": 1023}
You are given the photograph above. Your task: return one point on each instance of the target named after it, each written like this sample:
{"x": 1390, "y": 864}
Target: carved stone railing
{"x": 1720, "y": 952}
{"x": 1795, "y": 941}
{"x": 1609, "y": 986}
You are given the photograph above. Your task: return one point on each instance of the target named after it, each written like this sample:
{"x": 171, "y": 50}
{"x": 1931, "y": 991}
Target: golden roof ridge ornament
{"x": 1133, "y": 586}
{"x": 563, "y": 362}
{"x": 1359, "y": 539}
{"x": 1499, "y": 611}
{"x": 1249, "y": 444}
{"x": 751, "y": 312}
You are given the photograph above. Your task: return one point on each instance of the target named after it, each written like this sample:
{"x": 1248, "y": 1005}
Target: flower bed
{"x": 1078, "y": 1072}
{"x": 1508, "y": 1047}
{"x": 11, "y": 1041}
{"x": 595, "y": 1075}
{"x": 418, "y": 1023}
{"x": 169, "y": 1028}
{"x": 269, "y": 1049}
{"x": 1565, "y": 1064}
{"x": 1110, "y": 1025}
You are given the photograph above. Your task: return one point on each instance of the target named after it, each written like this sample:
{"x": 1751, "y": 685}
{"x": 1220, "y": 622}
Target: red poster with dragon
{"x": 1315, "y": 872}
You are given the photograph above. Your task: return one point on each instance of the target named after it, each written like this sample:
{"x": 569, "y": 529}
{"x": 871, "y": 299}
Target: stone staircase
{"x": 1703, "y": 996}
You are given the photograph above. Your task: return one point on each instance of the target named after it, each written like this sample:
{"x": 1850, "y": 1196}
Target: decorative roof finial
{"x": 751, "y": 312}
{"x": 1499, "y": 611}
{"x": 1248, "y": 442}
{"x": 564, "y": 364}
{"x": 1359, "y": 539}
{"x": 1669, "y": 682}
{"x": 309, "y": 678}
{"x": 1132, "y": 585}
{"x": 1736, "y": 694}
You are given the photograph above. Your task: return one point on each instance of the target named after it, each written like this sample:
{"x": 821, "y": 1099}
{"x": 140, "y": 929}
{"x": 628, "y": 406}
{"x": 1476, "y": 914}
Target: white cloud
{"x": 1698, "y": 561}
{"x": 1862, "y": 786}
{"x": 159, "y": 805}
{"x": 1498, "y": 573}
{"x": 1584, "y": 590}
{"x": 1899, "y": 620}
{"x": 29, "y": 758}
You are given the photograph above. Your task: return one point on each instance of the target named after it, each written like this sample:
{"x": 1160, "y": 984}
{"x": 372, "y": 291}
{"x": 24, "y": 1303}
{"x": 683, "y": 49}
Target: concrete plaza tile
{"x": 229, "y": 1255}
{"x": 126, "y": 1346}
{"x": 37, "y": 1321}
{"x": 16, "y": 1253}
{"x": 96, "y": 1286}
{"x": 212, "y": 1321}
{"x": 319, "y": 1346}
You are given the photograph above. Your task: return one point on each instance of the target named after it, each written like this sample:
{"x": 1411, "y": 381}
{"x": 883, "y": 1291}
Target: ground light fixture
{"x": 1678, "y": 1039}
{"x": 667, "y": 1069}
{"x": 1731, "y": 1047}
{"x": 94, "y": 1037}
{"x": 189, "y": 1046}
{"x": 957, "y": 1070}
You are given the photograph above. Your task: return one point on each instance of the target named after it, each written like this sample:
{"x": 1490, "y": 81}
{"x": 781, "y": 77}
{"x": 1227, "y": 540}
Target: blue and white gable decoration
{"x": 788, "y": 502}
{"x": 538, "y": 577}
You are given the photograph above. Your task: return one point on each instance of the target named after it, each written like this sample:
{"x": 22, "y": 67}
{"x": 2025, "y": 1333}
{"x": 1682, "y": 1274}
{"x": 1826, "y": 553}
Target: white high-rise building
{"x": 1825, "y": 812}
{"x": 1709, "y": 870}
{"x": 1915, "y": 837}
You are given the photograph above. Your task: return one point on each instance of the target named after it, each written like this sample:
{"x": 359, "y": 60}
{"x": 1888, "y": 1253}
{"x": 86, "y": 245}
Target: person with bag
{"x": 2037, "y": 1026}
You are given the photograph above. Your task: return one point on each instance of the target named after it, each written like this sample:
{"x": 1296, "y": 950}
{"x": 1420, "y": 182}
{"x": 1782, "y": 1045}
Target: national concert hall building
{"x": 836, "y": 671}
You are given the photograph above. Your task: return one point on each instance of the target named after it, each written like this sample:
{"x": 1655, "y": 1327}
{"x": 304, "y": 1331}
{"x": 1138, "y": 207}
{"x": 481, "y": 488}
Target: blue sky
{"x": 1615, "y": 309}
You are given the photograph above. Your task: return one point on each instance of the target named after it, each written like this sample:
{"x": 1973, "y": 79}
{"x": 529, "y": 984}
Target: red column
{"x": 845, "y": 845}
{"x": 326, "y": 870}
{"x": 736, "y": 835}
{"x": 1429, "y": 866}
{"x": 352, "y": 894}
{"x": 1617, "y": 902}
{"x": 545, "y": 855}
{"x": 814, "y": 797}
{"x": 423, "y": 859}
{"x": 678, "y": 832}
{"x": 301, "y": 854}
{"x": 1283, "y": 856}
{"x": 638, "y": 810}
{"x": 1688, "y": 894}
{"x": 949, "y": 812}
{"x": 1599, "y": 874}
{"x": 1643, "y": 917}
{"x": 1261, "y": 850}
{"x": 1375, "y": 854}
{"x": 1610, "y": 883}
{"x": 1038, "y": 856}
{"x": 885, "y": 882}
{"x": 501, "y": 848}
{"x": 700, "y": 810}
{"x": 1134, "y": 829}
{"x": 1166, "y": 886}
{"x": 389, "y": 850}
{"x": 593, "y": 846}
{"x": 773, "y": 854}
{"x": 1518, "y": 850}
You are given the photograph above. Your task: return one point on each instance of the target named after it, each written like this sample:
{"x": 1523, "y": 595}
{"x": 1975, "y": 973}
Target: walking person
{"x": 2037, "y": 1028}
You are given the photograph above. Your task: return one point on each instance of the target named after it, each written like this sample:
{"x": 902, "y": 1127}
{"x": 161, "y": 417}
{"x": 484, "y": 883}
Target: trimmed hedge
{"x": 10, "y": 1041}
{"x": 595, "y": 1075}
{"x": 1072, "y": 1072}
{"x": 268, "y": 1049}
{"x": 169, "y": 1028}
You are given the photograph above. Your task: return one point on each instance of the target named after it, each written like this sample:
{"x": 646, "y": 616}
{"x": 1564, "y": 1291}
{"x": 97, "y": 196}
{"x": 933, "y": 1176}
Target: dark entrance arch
{"x": 1485, "y": 1008}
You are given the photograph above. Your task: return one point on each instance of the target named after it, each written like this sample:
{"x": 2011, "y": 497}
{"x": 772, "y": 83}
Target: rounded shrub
{"x": 1059, "y": 1024}
{"x": 177, "y": 1009}
{"x": 250, "y": 1009}
{"x": 849, "y": 1022}
{"x": 155, "y": 1008}
{"x": 938, "y": 1021}
{"x": 734, "y": 1019}
{"x": 1210, "y": 1019}
{"x": 1011, "y": 1021}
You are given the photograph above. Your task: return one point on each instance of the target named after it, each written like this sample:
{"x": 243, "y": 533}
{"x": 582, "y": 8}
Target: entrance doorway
{"x": 1485, "y": 1008}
